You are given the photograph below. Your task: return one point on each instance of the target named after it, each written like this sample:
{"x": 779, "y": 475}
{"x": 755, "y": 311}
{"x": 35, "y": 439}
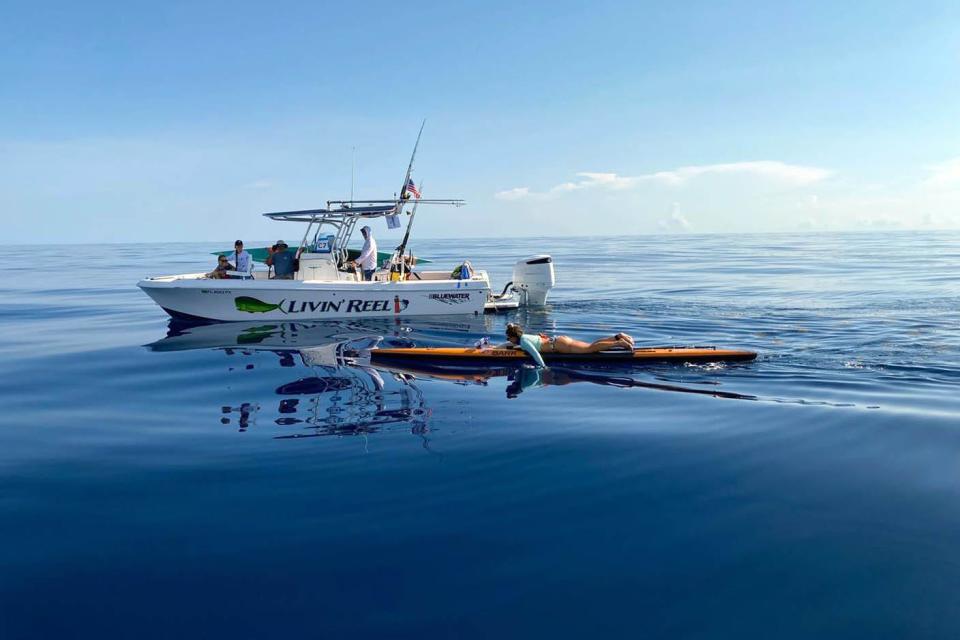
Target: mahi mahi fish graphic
{"x": 252, "y": 305}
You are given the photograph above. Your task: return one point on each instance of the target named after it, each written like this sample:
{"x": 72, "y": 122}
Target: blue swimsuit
{"x": 531, "y": 344}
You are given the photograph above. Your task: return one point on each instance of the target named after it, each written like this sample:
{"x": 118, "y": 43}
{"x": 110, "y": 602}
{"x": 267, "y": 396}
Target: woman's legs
{"x": 566, "y": 344}
{"x": 619, "y": 341}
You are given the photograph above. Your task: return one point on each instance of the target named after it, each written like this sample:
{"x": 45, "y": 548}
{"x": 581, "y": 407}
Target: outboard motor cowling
{"x": 533, "y": 278}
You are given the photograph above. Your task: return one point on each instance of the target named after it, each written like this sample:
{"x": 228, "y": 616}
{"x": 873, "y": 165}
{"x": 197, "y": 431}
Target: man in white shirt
{"x": 242, "y": 260}
{"x": 368, "y": 255}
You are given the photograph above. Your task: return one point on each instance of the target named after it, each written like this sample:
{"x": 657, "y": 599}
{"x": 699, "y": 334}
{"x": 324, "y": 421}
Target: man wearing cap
{"x": 368, "y": 255}
{"x": 242, "y": 260}
{"x": 281, "y": 260}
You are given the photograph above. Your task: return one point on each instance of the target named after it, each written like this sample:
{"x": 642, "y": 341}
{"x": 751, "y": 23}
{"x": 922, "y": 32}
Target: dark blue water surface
{"x": 234, "y": 481}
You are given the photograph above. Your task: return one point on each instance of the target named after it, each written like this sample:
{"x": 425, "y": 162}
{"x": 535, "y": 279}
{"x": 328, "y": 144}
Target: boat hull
{"x": 290, "y": 300}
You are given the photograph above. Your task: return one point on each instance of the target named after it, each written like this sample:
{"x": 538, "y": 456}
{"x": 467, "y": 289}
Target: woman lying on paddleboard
{"x": 537, "y": 343}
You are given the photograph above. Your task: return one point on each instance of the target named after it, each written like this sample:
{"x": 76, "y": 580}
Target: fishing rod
{"x": 406, "y": 178}
{"x": 403, "y": 193}
{"x": 406, "y": 236}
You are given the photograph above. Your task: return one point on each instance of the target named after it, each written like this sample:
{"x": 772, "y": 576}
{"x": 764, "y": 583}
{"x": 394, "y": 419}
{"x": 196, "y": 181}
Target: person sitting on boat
{"x": 242, "y": 260}
{"x": 368, "y": 255}
{"x": 539, "y": 343}
{"x": 281, "y": 260}
{"x": 223, "y": 265}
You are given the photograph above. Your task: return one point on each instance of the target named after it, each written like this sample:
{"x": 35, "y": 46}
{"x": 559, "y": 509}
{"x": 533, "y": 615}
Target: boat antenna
{"x": 353, "y": 163}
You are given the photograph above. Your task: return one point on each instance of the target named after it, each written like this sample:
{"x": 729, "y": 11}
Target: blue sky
{"x": 184, "y": 121}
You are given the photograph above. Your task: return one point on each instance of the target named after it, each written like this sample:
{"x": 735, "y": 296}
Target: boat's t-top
{"x": 341, "y": 217}
{"x": 329, "y": 230}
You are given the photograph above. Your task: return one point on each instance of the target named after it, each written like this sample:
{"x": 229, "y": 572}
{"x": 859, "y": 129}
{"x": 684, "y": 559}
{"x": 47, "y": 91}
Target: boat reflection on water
{"x": 336, "y": 391}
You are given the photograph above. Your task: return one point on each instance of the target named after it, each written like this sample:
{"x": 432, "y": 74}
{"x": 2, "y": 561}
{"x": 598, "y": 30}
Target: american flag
{"x": 412, "y": 188}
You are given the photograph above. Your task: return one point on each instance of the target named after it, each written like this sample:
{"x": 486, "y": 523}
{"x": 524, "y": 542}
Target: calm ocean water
{"x": 231, "y": 481}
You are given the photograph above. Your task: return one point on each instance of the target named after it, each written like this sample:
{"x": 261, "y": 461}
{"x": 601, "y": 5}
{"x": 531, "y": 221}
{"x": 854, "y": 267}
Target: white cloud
{"x": 606, "y": 180}
{"x": 591, "y": 180}
{"x": 770, "y": 170}
{"x": 513, "y": 194}
{"x": 259, "y": 184}
{"x": 880, "y": 222}
{"x": 944, "y": 175}
{"x": 676, "y": 221}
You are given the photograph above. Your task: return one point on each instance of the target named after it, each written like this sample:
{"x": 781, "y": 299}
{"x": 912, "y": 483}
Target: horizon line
{"x": 545, "y": 237}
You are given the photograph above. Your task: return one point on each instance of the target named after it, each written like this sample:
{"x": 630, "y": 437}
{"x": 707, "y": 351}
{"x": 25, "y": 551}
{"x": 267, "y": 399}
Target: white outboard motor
{"x": 533, "y": 278}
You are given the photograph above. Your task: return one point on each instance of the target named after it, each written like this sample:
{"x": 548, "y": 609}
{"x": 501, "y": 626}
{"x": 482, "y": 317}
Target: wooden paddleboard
{"x": 455, "y": 355}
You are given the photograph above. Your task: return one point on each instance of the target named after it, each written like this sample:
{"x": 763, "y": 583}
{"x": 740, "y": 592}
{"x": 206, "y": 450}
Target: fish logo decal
{"x": 249, "y": 304}
{"x": 252, "y": 305}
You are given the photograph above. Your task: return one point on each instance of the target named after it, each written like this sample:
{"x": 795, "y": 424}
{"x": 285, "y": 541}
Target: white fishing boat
{"x": 325, "y": 286}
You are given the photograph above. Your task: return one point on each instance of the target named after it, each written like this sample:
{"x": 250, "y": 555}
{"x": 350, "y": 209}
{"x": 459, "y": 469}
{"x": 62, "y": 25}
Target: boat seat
{"x": 317, "y": 266}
